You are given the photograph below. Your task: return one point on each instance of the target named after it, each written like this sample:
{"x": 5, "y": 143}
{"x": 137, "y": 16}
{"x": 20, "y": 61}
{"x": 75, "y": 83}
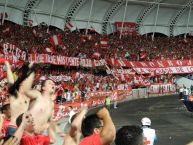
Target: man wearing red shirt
{"x": 28, "y": 137}
{"x": 98, "y": 129}
{"x": 6, "y": 119}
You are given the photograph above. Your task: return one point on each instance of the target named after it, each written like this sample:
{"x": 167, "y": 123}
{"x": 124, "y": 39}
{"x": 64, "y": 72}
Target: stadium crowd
{"x": 20, "y": 121}
{"x": 77, "y": 44}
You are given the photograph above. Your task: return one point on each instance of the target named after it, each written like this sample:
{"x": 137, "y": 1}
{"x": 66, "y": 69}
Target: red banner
{"x": 96, "y": 98}
{"x": 129, "y": 28}
{"x": 15, "y": 55}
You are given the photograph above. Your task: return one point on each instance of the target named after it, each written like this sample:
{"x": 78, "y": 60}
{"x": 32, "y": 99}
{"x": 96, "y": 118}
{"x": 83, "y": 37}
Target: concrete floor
{"x": 173, "y": 124}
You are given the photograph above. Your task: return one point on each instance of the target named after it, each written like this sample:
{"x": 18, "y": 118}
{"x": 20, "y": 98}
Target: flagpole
{"x": 155, "y": 24}
{"x": 144, "y": 30}
{"x": 36, "y": 16}
{"x": 4, "y": 12}
{"x": 51, "y": 11}
{"x": 123, "y": 19}
{"x": 188, "y": 21}
{"x": 91, "y": 7}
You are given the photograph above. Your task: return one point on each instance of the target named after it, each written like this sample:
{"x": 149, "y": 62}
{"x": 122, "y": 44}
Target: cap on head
{"x": 146, "y": 121}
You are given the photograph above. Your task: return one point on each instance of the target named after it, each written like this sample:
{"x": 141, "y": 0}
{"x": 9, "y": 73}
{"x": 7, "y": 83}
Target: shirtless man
{"x": 19, "y": 102}
{"x": 42, "y": 108}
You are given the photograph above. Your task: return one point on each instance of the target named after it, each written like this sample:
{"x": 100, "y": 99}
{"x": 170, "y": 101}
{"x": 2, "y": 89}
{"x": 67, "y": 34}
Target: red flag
{"x": 143, "y": 55}
{"x": 55, "y": 40}
{"x": 104, "y": 42}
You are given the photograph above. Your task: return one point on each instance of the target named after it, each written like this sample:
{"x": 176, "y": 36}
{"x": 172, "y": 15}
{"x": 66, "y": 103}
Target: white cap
{"x": 146, "y": 121}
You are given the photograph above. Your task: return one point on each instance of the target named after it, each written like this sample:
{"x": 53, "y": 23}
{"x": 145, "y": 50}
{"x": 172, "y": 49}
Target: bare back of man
{"x": 19, "y": 104}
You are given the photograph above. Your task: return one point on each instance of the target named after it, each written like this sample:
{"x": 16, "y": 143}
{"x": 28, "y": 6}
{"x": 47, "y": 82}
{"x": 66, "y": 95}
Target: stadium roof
{"x": 173, "y": 16}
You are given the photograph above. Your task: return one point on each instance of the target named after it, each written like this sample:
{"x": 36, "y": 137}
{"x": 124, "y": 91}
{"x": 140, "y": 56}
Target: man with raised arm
{"x": 73, "y": 136}
{"x": 19, "y": 102}
{"x": 98, "y": 129}
{"x": 42, "y": 107}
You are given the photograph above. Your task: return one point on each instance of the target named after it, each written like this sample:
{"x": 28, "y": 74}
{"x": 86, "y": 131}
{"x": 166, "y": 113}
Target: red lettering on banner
{"x": 170, "y": 71}
{"x": 161, "y": 71}
{"x": 180, "y": 69}
{"x": 191, "y": 69}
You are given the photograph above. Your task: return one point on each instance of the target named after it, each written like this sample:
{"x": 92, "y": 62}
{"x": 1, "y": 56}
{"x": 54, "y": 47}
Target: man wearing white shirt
{"x": 149, "y": 133}
{"x": 181, "y": 90}
{"x": 71, "y": 113}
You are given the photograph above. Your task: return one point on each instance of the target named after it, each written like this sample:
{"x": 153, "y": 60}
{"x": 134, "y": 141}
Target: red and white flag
{"x": 104, "y": 42}
{"x": 68, "y": 26}
{"x": 121, "y": 63}
{"x": 122, "y": 77}
{"x": 143, "y": 55}
{"x": 55, "y": 40}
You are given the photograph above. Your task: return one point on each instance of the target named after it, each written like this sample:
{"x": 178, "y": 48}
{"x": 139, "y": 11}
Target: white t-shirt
{"x": 186, "y": 92}
{"x": 181, "y": 90}
{"x": 150, "y": 135}
{"x": 71, "y": 113}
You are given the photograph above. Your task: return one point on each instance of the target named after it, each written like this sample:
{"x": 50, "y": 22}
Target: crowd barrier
{"x": 98, "y": 98}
